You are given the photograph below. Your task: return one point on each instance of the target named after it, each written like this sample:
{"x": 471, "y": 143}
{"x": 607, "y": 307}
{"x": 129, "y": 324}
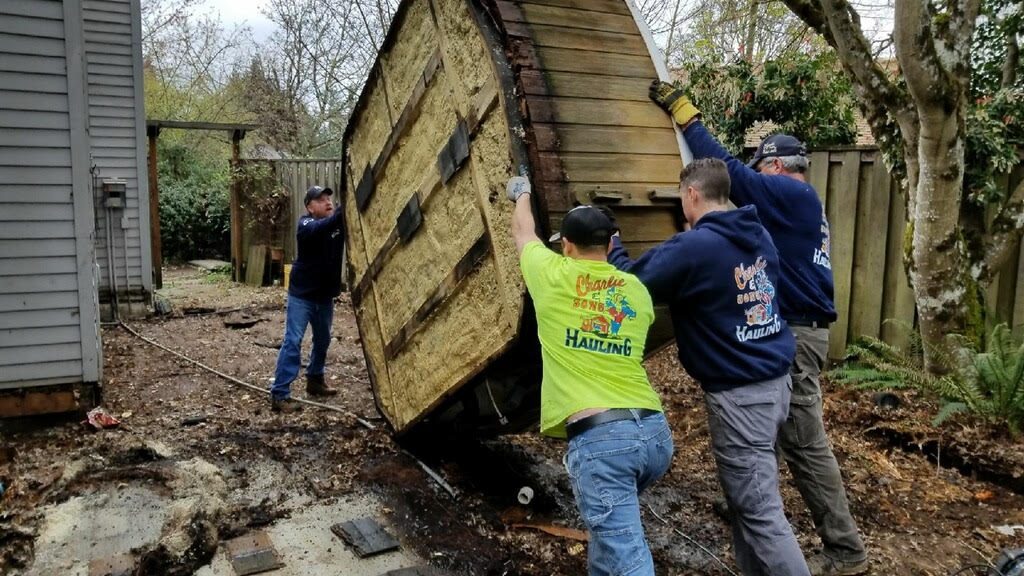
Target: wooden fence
{"x": 866, "y": 212}
{"x": 296, "y": 176}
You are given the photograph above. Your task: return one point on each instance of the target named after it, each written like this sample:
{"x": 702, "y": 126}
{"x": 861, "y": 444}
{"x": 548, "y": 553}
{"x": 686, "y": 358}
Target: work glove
{"x": 673, "y": 101}
{"x": 610, "y": 215}
{"x": 517, "y": 186}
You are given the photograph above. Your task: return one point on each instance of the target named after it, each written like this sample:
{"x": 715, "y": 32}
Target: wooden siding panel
{"x": 39, "y": 354}
{"x": 38, "y": 318}
{"x": 70, "y": 369}
{"x": 41, "y": 283}
{"x": 35, "y": 194}
{"x": 38, "y": 248}
{"x": 36, "y": 83}
{"x": 11, "y": 266}
{"x": 33, "y": 101}
{"x": 39, "y": 27}
{"x": 41, "y": 157}
{"x": 19, "y": 175}
{"x": 33, "y": 64}
{"x": 22, "y": 44}
{"x": 33, "y": 336}
{"x": 33, "y": 9}
{"x": 38, "y": 300}
{"x": 44, "y": 120}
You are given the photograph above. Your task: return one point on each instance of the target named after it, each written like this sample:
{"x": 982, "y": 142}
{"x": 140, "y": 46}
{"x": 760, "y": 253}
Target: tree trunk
{"x": 937, "y": 274}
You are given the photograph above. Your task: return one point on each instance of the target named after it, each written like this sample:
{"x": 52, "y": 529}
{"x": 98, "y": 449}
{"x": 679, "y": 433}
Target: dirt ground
{"x": 188, "y": 486}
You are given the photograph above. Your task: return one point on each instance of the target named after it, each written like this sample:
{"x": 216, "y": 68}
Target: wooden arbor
{"x": 153, "y": 128}
{"x": 464, "y": 94}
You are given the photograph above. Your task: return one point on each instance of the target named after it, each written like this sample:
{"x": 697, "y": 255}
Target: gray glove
{"x": 517, "y": 186}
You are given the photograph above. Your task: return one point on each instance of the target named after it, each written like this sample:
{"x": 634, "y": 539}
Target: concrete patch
{"x": 308, "y": 548}
{"x": 95, "y": 526}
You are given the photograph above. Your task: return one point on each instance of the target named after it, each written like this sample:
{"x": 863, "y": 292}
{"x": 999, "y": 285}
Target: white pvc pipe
{"x": 662, "y": 70}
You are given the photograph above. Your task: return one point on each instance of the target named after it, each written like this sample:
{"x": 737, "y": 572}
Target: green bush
{"x": 195, "y": 211}
{"x": 988, "y": 385}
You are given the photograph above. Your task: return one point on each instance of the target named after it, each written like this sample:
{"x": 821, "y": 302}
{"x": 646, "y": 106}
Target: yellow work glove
{"x": 673, "y": 101}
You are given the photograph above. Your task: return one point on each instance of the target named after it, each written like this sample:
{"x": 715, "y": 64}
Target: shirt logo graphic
{"x": 756, "y": 289}
{"x": 821, "y": 255}
{"x": 604, "y": 308}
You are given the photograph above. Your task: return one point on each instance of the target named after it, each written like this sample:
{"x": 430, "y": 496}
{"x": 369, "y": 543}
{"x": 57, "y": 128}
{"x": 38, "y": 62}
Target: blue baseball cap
{"x": 778, "y": 145}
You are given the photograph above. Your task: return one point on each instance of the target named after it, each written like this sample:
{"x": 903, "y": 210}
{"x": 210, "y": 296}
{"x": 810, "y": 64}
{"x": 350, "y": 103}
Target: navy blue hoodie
{"x": 719, "y": 282}
{"x": 316, "y": 272}
{"x": 792, "y": 213}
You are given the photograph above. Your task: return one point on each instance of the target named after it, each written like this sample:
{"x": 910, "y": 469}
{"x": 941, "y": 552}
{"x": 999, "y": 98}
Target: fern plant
{"x": 988, "y": 385}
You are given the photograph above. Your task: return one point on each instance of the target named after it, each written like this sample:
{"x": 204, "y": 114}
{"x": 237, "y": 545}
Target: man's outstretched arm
{"x": 523, "y": 225}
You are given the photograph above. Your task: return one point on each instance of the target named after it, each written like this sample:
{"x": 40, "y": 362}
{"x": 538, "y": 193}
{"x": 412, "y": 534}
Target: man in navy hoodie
{"x": 792, "y": 213}
{"x": 719, "y": 282}
{"x": 314, "y": 282}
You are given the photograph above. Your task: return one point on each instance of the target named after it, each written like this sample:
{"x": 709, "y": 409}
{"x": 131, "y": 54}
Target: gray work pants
{"x": 804, "y": 445}
{"x": 743, "y": 423}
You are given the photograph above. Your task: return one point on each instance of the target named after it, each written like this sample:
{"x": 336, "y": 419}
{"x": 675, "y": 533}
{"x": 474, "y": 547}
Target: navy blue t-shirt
{"x": 792, "y": 213}
{"x": 316, "y": 271}
{"x": 719, "y": 281}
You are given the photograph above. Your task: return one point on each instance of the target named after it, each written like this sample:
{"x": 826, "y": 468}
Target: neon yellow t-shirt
{"x": 592, "y": 321}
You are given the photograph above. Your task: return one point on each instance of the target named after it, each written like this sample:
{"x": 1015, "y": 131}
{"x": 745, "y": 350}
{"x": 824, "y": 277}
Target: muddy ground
{"x": 186, "y": 487}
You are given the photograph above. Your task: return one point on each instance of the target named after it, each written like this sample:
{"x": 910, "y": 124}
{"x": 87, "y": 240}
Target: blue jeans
{"x": 609, "y": 466}
{"x": 298, "y": 315}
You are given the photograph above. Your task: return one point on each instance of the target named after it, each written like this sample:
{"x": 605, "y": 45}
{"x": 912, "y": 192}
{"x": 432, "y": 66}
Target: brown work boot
{"x": 284, "y": 405}
{"x": 316, "y": 386}
{"x": 822, "y": 565}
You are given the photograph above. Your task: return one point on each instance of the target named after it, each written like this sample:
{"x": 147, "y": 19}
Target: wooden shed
{"x": 463, "y": 95}
{"x": 73, "y": 225}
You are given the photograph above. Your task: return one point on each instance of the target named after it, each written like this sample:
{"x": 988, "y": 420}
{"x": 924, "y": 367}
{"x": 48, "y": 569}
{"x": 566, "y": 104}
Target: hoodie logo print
{"x": 756, "y": 289}
{"x": 821, "y": 255}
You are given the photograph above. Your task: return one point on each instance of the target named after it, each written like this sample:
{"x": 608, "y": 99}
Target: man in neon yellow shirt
{"x": 592, "y": 322}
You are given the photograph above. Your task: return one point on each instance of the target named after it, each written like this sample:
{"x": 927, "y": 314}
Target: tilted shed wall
{"x": 48, "y": 312}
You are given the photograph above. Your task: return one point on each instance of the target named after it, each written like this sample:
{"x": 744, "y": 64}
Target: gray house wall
{"x": 48, "y": 309}
{"x": 117, "y": 139}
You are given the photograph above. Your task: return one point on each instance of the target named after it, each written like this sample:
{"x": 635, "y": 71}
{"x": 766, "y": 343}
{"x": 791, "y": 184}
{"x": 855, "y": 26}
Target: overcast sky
{"x": 233, "y": 12}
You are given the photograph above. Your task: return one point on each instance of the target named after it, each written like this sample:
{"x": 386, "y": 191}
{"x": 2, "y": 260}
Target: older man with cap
{"x": 314, "y": 282}
{"x": 592, "y": 322}
{"x": 775, "y": 183}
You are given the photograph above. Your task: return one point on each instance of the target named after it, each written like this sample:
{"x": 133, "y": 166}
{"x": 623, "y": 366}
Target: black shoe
{"x": 721, "y": 508}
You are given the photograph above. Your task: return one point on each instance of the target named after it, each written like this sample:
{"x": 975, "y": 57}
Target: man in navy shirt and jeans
{"x": 791, "y": 211}
{"x": 314, "y": 282}
{"x": 719, "y": 282}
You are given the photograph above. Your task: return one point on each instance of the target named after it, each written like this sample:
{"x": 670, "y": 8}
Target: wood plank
{"x": 255, "y": 265}
{"x": 842, "y": 209}
{"x": 817, "y": 174}
{"x": 869, "y": 250}
{"x": 600, "y": 168}
{"x": 596, "y": 112}
{"x": 117, "y": 6}
{"x": 566, "y": 17}
{"x": 38, "y": 398}
{"x": 566, "y": 60}
{"x": 610, "y": 6}
{"x": 575, "y": 38}
{"x": 33, "y": 336}
{"x": 123, "y": 61}
{"x": 36, "y": 27}
{"x": 605, "y": 139}
{"x": 536, "y": 83}
{"x": 636, "y": 193}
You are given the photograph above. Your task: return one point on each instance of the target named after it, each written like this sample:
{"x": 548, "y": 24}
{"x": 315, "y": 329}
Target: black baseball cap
{"x": 778, "y": 145}
{"x": 315, "y": 192}
{"x": 585, "y": 226}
